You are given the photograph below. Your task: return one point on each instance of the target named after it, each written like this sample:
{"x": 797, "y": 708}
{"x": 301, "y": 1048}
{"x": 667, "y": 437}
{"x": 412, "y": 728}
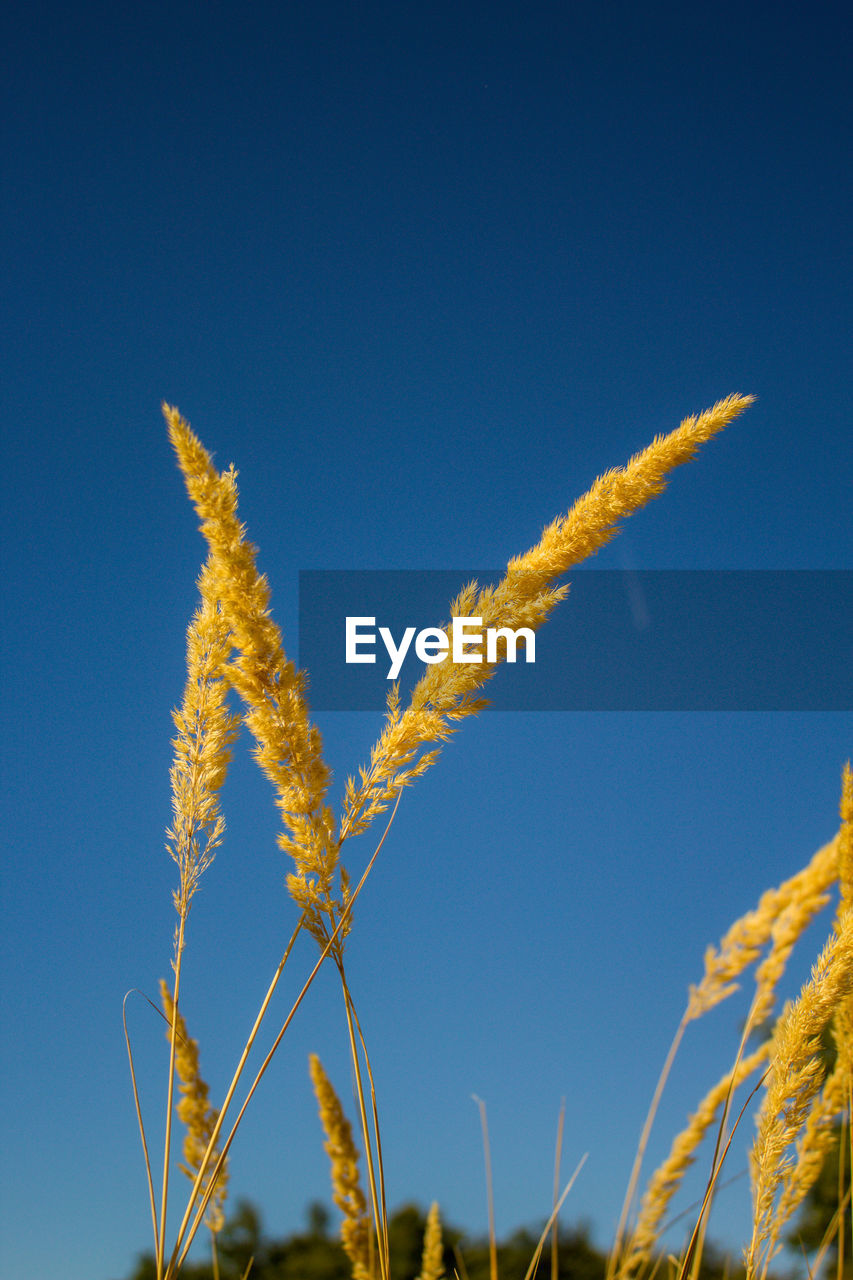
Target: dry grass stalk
{"x": 375, "y": 1169}
{"x": 780, "y": 917}
{"x": 667, "y": 1178}
{"x": 186, "y": 1232}
{"x": 346, "y": 1187}
{"x": 533, "y": 1265}
{"x": 558, "y": 1155}
{"x": 490, "y": 1198}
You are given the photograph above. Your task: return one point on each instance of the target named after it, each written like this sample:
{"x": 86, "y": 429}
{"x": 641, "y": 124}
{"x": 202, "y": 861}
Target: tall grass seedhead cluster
{"x": 238, "y": 673}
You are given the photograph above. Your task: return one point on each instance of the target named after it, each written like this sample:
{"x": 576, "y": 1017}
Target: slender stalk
{"x": 460, "y": 1270}
{"x": 233, "y": 1086}
{"x": 368, "y": 1152}
{"x": 170, "y": 1093}
{"x": 493, "y": 1244}
{"x": 199, "y": 1214}
{"x": 377, "y": 1195}
{"x": 136, "y": 1102}
{"x": 615, "y": 1259}
{"x": 712, "y": 1181}
{"x": 374, "y": 1107}
{"x": 177, "y": 1260}
{"x": 557, "y": 1159}
{"x": 534, "y": 1261}
{"x": 717, "y": 1159}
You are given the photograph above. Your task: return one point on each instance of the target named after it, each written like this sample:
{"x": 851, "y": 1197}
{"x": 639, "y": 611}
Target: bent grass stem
{"x": 138, "y": 1106}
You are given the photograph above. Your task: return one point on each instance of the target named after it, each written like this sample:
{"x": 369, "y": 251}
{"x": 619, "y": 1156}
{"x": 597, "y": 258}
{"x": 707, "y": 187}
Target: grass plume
{"x": 432, "y": 1263}
{"x": 288, "y": 747}
{"x": 194, "y": 1109}
{"x": 796, "y": 1076}
{"x": 205, "y": 733}
{"x": 448, "y": 693}
{"x": 233, "y": 643}
{"x": 346, "y": 1185}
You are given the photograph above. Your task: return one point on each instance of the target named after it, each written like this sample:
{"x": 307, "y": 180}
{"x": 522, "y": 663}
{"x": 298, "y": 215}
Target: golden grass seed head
{"x": 346, "y": 1186}
{"x": 845, "y": 844}
{"x": 447, "y": 692}
{"x": 432, "y": 1263}
{"x": 206, "y": 730}
{"x": 194, "y": 1110}
{"x": 288, "y": 747}
{"x": 793, "y": 1084}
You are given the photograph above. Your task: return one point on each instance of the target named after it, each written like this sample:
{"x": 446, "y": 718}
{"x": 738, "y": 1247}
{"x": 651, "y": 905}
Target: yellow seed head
{"x": 346, "y": 1188}
{"x": 194, "y": 1109}
{"x": 205, "y": 733}
{"x": 449, "y": 692}
{"x": 793, "y": 1086}
{"x": 432, "y": 1265}
{"x": 288, "y": 747}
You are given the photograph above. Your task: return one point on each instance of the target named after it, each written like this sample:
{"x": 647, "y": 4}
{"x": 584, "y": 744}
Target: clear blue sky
{"x": 421, "y": 271}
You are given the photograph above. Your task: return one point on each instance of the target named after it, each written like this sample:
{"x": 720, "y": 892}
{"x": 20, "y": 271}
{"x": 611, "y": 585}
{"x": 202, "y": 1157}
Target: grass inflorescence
{"x": 238, "y": 672}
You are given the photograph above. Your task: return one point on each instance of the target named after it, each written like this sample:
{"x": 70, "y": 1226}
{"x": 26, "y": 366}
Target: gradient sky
{"x": 421, "y": 271}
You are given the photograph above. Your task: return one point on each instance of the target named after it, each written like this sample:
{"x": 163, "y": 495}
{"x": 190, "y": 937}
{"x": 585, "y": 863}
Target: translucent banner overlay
{"x": 653, "y": 640}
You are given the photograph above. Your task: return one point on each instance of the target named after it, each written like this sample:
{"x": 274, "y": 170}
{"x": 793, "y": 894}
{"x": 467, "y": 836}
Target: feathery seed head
{"x": 205, "y": 733}
{"x": 432, "y": 1265}
{"x": 845, "y": 840}
{"x": 194, "y": 1109}
{"x": 668, "y": 1177}
{"x": 793, "y": 1086}
{"x": 794, "y": 903}
{"x": 288, "y": 747}
{"x": 447, "y": 692}
{"x": 343, "y": 1154}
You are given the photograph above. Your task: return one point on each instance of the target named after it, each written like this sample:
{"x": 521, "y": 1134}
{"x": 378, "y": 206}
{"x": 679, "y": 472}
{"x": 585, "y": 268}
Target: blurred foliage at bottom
{"x": 315, "y": 1254}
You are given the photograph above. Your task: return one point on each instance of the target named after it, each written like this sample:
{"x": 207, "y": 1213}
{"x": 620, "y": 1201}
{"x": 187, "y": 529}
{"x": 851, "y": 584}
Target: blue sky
{"x": 421, "y": 272}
